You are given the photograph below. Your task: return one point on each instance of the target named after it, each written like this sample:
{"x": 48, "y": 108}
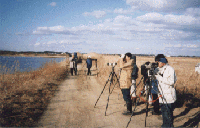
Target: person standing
{"x": 126, "y": 66}
{"x": 154, "y": 90}
{"x": 89, "y": 64}
{"x": 75, "y": 59}
{"x": 71, "y": 64}
{"x": 134, "y": 76}
{"x": 166, "y": 79}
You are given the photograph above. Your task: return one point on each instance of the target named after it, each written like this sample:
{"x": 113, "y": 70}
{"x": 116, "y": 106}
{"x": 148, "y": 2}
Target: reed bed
{"x": 25, "y": 95}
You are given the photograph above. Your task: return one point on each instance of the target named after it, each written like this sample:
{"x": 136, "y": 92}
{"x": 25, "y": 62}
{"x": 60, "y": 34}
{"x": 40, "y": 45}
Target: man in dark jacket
{"x": 134, "y": 76}
{"x": 89, "y": 65}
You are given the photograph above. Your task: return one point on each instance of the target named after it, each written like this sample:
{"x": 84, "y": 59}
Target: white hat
{"x": 89, "y": 57}
{"x": 122, "y": 55}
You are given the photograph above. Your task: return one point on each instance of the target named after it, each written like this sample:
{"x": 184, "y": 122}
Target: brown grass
{"x": 187, "y": 85}
{"x": 24, "y": 96}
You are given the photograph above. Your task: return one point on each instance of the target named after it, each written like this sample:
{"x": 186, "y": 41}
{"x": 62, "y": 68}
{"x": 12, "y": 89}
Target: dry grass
{"x": 24, "y": 96}
{"x": 187, "y": 85}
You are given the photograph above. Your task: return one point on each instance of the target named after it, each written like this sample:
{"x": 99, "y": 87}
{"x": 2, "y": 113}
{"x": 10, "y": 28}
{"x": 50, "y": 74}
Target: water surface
{"x": 12, "y": 64}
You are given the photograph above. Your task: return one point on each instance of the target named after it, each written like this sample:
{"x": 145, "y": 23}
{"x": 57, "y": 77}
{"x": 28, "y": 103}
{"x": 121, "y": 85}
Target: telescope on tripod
{"x": 147, "y": 71}
{"x": 112, "y": 77}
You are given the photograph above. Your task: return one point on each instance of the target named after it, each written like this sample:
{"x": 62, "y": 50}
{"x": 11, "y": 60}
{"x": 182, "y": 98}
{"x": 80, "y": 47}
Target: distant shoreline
{"x": 46, "y": 56}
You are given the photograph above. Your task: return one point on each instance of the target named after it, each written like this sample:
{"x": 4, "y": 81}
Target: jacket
{"x": 154, "y": 88}
{"x": 134, "y": 74}
{"x": 89, "y": 63}
{"x": 166, "y": 82}
{"x": 126, "y": 71}
{"x": 71, "y": 62}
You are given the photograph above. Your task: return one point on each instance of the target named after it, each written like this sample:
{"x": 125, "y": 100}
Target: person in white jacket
{"x": 166, "y": 79}
{"x": 71, "y": 64}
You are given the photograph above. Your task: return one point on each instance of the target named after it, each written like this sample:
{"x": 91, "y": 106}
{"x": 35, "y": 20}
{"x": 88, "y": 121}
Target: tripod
{"x": 147, "y": 82}
{"x": 110, "y": 79}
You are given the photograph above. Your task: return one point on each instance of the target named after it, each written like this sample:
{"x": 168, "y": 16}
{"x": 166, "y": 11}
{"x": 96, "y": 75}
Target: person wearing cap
{"x": 89, "y": 64}
{"x": 166, "y": 79}
{"x": 154, "y": 89}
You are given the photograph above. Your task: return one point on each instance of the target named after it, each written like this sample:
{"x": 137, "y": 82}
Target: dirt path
{"x": 73, "y": 106}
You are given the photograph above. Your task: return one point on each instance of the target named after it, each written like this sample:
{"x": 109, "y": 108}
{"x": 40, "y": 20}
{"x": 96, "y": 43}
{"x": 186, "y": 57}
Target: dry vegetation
{"x": 24, "y": 96}
{"x": 187, "y": 85}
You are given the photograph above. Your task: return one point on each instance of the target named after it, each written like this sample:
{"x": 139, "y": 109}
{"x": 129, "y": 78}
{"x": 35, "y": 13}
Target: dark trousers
{"x": 127, "y": 98}
{"x": 89, "y": 72}
{"x": 167, "y": 114}
{"x": 73, "y": 70}
{"x": 156, "y": 103}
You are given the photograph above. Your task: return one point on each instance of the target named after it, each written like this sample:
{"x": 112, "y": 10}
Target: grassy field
{"x": 25, "y": 95}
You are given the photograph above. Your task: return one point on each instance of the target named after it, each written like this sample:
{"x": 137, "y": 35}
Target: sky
{"x": 170, "y": 27}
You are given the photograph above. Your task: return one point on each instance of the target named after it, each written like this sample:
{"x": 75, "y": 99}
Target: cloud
{"x": 70, "y": 42}
{"x": 122, "y": 11}
{"x": 37, "y": 44}
{"x": 183, "y": 25}
{"x": 164, "y": 5}
{"x": 52, "y": 42}
{"x": 180, "y": 45}
{"x": 168, "y": 19}
{"x": 53, "y": 4}
{"x": 98, "y": 14}
{"x": 52, "y": 30}
{"x": 193, "y": 12}
{"x": 148, "y": 28}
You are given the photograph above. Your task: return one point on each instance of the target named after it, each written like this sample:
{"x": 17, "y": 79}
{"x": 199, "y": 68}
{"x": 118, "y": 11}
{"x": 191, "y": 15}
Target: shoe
{"x": 127, "y": 113}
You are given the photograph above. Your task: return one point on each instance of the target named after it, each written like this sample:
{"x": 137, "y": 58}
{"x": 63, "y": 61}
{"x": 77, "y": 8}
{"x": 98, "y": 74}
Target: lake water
{"x": 24, "y": 63}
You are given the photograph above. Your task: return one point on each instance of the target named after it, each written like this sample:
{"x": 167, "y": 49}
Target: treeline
{"x": 5, "y": 52}
{"x": 133, "y": 54}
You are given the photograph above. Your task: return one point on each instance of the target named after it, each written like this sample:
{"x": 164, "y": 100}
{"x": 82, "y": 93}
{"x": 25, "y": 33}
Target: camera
{"x": 148, "y": 68}
{"x": 112, "y": 64}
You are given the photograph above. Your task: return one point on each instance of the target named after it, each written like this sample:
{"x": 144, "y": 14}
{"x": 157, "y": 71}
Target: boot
{"x": 129, "y": 109}
{"x": 133, "y": 101}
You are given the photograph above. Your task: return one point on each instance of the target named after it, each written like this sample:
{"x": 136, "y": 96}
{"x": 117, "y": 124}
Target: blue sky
{"x": 171, "y": 27}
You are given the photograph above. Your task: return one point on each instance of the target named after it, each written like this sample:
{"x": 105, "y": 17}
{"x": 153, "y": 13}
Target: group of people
{"x": 73, "y": 64}
{"x": 163, "y": 91}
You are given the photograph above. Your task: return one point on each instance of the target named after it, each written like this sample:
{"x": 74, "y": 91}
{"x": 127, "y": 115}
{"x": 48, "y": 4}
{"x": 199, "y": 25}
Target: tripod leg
{"x": 114, "y": 84}
{"x": 133, "y": 111}
{"x": 117, "y": 79}
{"x": 102, "y": 90}
{"x": 109, "y": 93}
{"x": 147, "y": 99}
